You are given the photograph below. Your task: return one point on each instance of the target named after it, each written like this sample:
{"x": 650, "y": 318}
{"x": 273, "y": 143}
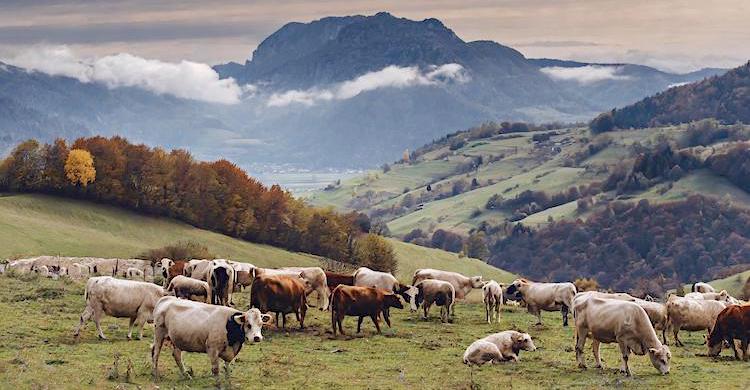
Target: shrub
{"x": 373, "y": 251}
{"x": 603, "y": 123}
{"x": 586, "y": 284}
{"x": 183, "y": 250}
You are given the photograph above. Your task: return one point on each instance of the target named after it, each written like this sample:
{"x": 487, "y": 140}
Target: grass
{"x": 38, "y": 351}
{"x": 33, "y": 225}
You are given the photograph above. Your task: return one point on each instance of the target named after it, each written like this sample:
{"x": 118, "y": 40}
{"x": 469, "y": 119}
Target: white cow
{"x": 507, "y": 345}
{"x": 623, "y": 322}
{"x": 218, "y": 331}
{"x": 462, "y": 284}
{"x": 120, "y": 299}
{"x": 492, "y": 296}
{"x": 220, "y": 281}
{"x": 691, "y": 315}
{"x": 365, "y": 277}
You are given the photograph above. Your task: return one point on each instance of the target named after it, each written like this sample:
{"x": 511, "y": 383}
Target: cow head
{"x": 246, "y": 326}
{"x": 715, "y": 342}
{"x": 660, "y": 358}
{"x": 476, "y": 281}
{"x": 392, "y": 300}
{"x": 522, "y": 341}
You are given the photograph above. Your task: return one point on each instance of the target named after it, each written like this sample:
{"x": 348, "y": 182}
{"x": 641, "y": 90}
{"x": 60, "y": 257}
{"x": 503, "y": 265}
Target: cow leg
{"x": 487, "y": 312}
{"x": 625, "y": 352}
{"x": 676, "y": 331}
{"x": 323, "y": 296}
{"x": 535, "y": 312}
{"x": 340, "y": 320}
{"x": 564, "y": 311}
{"x": 375, "y": 320}
{"x": 734, "y": 349}
{"x": 213, "y": 355}
{"x": 359, "y": 323}
{"x": 97, "y": 322}
{"x": 597, "y": 357}
{"x": 283, "y": 320}
{"x": 141, "y": 319}
{"x": 177, "y": 354}
{"x": 744, "y": 346}
{"x": 333, "y": 323}
{"x": 130, "y": 328}
{"x": 581, "y": 334}
{"x": 425, "y": 309}
{"x": 159, "y": 335}
{"x": 85, "y": 316}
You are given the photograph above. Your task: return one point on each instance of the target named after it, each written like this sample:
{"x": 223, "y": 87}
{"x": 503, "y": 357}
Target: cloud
{"x": 388, "y": 77}
{"x": 185, "y": 79}
{"x": 584, "y": 74}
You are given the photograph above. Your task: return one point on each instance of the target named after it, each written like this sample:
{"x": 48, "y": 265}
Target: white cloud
{"x": 584, "y": 74}
{"x": 388, "y": 77}
{"x": 678, "y": 84}
{"x": 185, "y": 79}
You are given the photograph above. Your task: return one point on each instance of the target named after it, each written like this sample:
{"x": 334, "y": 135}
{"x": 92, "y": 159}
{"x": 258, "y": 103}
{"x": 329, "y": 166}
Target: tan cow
{"x": 507, "y": 346}
{"x": 438, "y": 292}
{"x": 544, "y": 296}
{"x": 120, "y": 299}
{"x": 218, "y": 331}
{"x": 197, "y": 269}
{"x": 492, "y": 296}
{"x": 691, "y": 315}
{"x": 189, "y": 288}
{"x": 722, "y": 296}
{"x": 365, "y": 277}
{"x": 462, "y": 284}
{"x": 626, "y": 323}
{"x": 657, "y": 312}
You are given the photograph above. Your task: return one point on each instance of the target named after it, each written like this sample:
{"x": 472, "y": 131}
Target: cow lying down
{"x": 218, "y": 331}
{"x": 498, "y": 347}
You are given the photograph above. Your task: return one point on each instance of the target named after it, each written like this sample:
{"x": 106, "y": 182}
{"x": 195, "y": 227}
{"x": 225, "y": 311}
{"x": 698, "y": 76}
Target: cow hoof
{"x": 582, "y": 366}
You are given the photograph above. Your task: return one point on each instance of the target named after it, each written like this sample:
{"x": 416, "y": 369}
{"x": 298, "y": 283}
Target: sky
{"x": 675, "y": 35}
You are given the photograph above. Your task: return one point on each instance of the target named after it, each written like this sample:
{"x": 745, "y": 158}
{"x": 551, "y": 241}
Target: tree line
{"x": 217, "y": 196}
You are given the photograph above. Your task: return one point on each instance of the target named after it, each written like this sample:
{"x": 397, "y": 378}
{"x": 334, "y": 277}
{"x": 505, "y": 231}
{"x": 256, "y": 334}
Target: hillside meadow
{"x": 33, "y": 225}
{"x": 37, "y": 350}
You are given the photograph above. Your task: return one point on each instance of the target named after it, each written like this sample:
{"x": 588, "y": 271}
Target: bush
{"x": 603, "y": 123}
{"x": 373, "y": 251}
{"x": 183, "y": 250}
{"x": 586, "y": 284}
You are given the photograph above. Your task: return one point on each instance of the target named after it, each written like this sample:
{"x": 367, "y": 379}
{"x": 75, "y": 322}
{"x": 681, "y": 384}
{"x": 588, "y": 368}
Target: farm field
{"x": 37, "y": 351}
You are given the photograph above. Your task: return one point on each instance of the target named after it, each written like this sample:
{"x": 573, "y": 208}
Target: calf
{"x": 170, "y": 269}
{"x": 120, "y": 299}
{"x": 492, "y": 296}
{"x": 462, "y": 284}
{"x": 544, "y": 296}
{"x": 691, "y": 315}
{"x": 361, "y": 302}
{"x": 498, "y": 347}
{"x": 218, "y": 331}
{"x": 440, "y": 293}
{"x": 189, "y": 288}
{"x": 732, "y": 323}
{"x": 626, "y": 323}
{"x": 220, "y": 282}
{"x": 280, "y": 294}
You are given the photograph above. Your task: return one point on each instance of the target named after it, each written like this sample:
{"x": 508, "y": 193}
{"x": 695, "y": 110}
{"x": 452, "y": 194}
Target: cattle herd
{"x": 193, "y": 309}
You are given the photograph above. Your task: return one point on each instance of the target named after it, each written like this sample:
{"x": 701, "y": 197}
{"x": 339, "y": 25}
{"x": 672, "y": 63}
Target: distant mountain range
{"x": 337, "y": 92}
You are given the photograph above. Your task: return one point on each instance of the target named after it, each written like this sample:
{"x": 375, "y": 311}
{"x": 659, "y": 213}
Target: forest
{"x": 217, "y": 196}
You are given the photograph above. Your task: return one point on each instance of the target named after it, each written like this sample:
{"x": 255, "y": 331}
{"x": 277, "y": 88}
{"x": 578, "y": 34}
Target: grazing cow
{"x": 626, "y": 323}
{"x": 197, "y": 269}
{"x": 361, "y": 302}
{"x": 657, "y": 312}
{"x": 280, "y": 294}
{"x": 334, "y": 279}
{"x": 134, "y": 273}
{"x": 171, "y": 269}
{"x": 120, "y": 299}
{"x": 722, "y": 296}
{"x": 492, "y": 296}
{"x": 189, "y": 288}
{"x": 199, "y": 327}
{"x": 702, "y": 287}
{"x": 220, "y": 282}
{"x": 315, "y": 280}
{"x": 439, "y": 292}
{"x": 732, "y": 323}
{"x": 691, "y": 315}
{"x": 544, "y": 296}
{"x": 498, "y": 347}
{"x": 462, "y": 284}
{"x": 365, "y": 277}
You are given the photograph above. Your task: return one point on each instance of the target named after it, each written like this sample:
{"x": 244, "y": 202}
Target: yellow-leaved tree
{"x": 79, "y": 167}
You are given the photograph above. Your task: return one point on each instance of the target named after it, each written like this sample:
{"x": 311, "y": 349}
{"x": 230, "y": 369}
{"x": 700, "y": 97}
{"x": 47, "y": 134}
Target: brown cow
{"x": 361, "y": 302}
{"x": 280, "y": 294}
{"x": 732, "y": 323}
{"x": 170, "y": 269}
{"x": 334, "y": 279}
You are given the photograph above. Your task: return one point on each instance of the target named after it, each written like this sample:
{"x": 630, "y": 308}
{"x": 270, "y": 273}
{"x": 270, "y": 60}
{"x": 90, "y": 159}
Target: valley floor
{"x": 38, "y": 351}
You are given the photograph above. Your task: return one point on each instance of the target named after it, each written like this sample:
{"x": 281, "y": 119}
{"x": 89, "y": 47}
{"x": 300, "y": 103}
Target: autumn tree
{"x": 373, "y": 251}
{"x": 476, "y": 246}
{"x": 79, "y": 167}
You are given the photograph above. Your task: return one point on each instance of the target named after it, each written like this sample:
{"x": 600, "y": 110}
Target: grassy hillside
{"x": 33, "y": 225}
{"x": 37, "y": 350}
{"x": 511, "y": 164}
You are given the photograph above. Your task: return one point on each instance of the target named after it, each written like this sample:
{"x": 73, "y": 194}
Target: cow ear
{"x": 266, "y": 318}
{"x": 240, "y": 319}
{"x": 652, "y": 350}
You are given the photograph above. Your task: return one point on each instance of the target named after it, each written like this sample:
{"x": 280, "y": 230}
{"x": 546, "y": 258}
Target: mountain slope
{"x": 32, "y": 225}
{"x": 725, "y": 97}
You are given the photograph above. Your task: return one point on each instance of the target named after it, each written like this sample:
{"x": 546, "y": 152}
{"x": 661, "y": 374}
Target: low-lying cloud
{"x": 185, "y": 79}
{"x": 388, "y": 77}
{"x": 585, "y": 74}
